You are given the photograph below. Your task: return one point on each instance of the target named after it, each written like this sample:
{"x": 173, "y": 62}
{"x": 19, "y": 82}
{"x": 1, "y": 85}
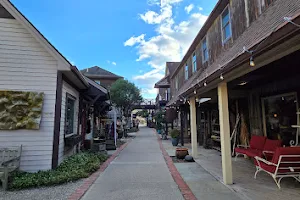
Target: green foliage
{"x": 174, "y": 133}
{"x": 125, "y": 94}
{"x": 143, "y": 113}
{"x": 75, "y": 167}
{"x": 160, "y": 119}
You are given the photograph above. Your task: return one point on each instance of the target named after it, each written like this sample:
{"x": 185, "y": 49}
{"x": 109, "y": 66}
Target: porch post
{"x": 225, "y": 133}
{"x": 193, "y": 127}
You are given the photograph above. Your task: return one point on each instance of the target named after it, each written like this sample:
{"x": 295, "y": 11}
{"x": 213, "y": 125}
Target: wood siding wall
{"x": 241, "y": 15}
{"x": 67, "y": 89}
{"x": 26, "y": 66}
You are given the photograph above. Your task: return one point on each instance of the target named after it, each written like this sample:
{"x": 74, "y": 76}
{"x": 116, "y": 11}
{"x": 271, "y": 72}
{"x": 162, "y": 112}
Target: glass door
{"x": 279, "y": 113}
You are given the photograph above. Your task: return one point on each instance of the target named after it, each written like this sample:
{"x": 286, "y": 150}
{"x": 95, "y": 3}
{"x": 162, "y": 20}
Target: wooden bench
{"x": 9, "y": 162}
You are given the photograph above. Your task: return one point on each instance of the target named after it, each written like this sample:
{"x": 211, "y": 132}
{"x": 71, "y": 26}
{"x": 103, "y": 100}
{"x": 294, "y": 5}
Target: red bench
{"x": 285, "y": 163}
{"x": 259, "y": 146}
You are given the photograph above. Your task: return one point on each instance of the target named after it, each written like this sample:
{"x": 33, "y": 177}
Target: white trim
{"x": 63, "y": 63}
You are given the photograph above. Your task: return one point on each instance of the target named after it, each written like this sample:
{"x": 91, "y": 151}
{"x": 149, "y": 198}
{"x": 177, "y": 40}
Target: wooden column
{"x": 182, "y": 127}
{"x": 225, "y": 133}
{"x": 193, "y": 127}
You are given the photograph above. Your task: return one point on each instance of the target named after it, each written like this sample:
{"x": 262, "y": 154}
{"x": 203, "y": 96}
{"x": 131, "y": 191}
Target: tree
{"x": 143, "y": 113}
{"x": 124, "y": 95}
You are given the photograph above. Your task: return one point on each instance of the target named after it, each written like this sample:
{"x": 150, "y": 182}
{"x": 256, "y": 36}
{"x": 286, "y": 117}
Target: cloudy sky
{"x": 132, "y": 38}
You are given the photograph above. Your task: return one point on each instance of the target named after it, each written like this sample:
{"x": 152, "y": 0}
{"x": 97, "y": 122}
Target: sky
{"x": 132, "y": 38}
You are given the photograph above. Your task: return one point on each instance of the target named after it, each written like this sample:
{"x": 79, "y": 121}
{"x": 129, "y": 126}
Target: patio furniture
{"x": 9, "y": 162}
{"x": 259, "y": 146}
{"x": 285, "y": 163}
{"x": 255, "y": 149}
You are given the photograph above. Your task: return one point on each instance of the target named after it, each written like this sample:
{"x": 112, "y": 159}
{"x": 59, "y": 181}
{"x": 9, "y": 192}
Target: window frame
{"x": 66, "y": 130}
{"x": 194, "y": 62}
{"x": 186, "y": 71}
{"x": 204, "y": 59}
{"x": 224, "y": 40}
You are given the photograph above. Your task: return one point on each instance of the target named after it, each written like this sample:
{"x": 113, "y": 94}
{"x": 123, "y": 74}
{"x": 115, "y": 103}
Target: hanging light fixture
{"x": 205, "y": 84}
{"x": 222, "y": 77}
{"x": 252, "y": 63}
{"x": 195, "y": 91}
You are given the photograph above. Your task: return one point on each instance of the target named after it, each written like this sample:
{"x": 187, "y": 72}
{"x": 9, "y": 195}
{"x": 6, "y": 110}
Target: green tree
{"x": 124, "y": 95}
{"x": 143, "y": 113}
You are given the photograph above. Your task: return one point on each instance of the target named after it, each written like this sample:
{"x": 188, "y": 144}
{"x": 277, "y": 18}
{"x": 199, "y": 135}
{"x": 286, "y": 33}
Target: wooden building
{"x": 241, "y": 67}
{"x": 29, "y": 63}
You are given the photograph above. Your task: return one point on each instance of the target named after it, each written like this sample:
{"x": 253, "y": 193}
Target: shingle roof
{"x": 164, "y": 82}
{"x": 97, "y": 72}
{"x": 172, "y": 66}
{"x": 260, "y": 29}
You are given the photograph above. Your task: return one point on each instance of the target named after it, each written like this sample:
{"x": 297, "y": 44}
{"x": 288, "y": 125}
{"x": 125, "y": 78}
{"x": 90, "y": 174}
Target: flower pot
{"x": 175, "y": 142}
{"x": 181, "y": 152}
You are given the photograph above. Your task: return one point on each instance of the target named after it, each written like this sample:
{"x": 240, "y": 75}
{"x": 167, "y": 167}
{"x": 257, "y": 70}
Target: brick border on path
{"x": 184, "y": 188}
{"x": 79, "y": 192}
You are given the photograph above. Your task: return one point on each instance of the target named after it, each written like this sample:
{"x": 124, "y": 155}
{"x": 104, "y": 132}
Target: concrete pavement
{"x": 139, "y": 172}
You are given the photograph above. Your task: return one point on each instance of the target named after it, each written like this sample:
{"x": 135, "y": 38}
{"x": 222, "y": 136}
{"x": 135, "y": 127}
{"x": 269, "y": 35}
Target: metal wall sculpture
{"x": 20, "y": 110}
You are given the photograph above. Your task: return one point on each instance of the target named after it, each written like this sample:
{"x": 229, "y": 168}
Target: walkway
{"x": 139, "y": 172}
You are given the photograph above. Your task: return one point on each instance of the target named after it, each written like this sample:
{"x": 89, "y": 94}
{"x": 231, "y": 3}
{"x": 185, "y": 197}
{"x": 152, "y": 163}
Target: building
{"x": 242, "y": 65}
{"x": 163, "y": 85}
{"x": 101, "y": 76}
{"x": 45, "y": 101}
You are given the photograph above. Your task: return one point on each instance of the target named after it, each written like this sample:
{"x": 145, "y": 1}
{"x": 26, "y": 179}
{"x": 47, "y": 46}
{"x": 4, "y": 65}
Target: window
{"x": 194, "y": 62}
{"x": 69, "y": 121}
{"x": 204, "y": 51}
{"x": 186, "y": 72}
{"x": 98, "y": 81}
{"x": 176, "y": 83}
{"x": 226, "y": 26}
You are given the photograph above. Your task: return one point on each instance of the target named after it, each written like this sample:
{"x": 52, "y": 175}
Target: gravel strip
{"x": 60, "y": 192}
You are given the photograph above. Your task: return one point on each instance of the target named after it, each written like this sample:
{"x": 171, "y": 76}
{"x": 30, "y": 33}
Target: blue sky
{"x": 132, "y": 38}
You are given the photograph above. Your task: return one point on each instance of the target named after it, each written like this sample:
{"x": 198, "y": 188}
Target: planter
{"x": 73, "y": 140}
{"x": 175, "y": 141}
{"x": 181, "y": 152}
{"x": 159, "y": 131}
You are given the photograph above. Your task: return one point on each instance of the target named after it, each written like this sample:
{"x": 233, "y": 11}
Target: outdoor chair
{"x": 255, "y": 149}
{"x": 259, "y": 146}
{"x": 9, "y": 162}
{"x": 285, "y": 163}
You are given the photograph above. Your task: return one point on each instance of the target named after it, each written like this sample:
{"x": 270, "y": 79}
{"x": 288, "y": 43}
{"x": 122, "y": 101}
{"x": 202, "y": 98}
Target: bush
{"x": 174, "y": 133}
{"x": 75, "y": 167}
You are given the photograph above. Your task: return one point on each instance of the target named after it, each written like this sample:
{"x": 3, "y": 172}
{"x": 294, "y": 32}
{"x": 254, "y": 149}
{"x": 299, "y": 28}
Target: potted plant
{"x": 158, "y": 128}
{"x": 175, "y": 136}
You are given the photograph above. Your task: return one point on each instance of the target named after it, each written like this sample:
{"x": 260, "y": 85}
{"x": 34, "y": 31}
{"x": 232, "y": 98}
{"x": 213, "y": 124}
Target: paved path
{"x": 139, "y": 172}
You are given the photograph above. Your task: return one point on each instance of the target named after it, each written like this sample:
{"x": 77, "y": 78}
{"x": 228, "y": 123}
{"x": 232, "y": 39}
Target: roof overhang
{"x": 96, "y": 94}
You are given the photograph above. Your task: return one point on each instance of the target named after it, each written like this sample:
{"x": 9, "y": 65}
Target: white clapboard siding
{"x": 67, "y": 89}
{"x": 25, "y": 66}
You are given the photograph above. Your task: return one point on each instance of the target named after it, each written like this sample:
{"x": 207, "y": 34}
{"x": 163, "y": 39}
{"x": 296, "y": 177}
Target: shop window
{"x": 70, "y": 111}
{"x": 279, "y": 113}
{"x": 226, "y": 25}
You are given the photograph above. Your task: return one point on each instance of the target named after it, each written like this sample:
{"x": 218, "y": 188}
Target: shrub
{"x": 75, "y": 167}
{"x": 174, "y": 133}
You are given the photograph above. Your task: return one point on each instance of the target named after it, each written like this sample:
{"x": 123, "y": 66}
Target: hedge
{"x": 75, "y": 167}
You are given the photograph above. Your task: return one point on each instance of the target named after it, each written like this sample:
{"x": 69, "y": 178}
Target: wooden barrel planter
{"x": 181, "y": 152}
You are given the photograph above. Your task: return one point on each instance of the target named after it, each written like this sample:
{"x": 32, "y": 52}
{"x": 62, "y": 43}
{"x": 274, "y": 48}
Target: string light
{"x": 289, "y": 19}
{"x": 252, "y": 63}
{"x": 195, "y": 91}
{"x": 222, "y": 77}
{"x": 205, "y": 84}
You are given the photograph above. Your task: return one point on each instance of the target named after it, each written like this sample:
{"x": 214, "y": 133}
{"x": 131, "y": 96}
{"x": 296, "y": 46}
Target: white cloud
{"x": 189, "y": 8}
{"x": 134, "y": 40}
{"x": 114, "y": 63}
{"x": 200, "y": 8}
{"x": 170, "y": 43}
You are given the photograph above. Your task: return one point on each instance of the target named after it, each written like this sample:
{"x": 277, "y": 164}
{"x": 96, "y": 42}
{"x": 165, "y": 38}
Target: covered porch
{"x": 262, "y": 95}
